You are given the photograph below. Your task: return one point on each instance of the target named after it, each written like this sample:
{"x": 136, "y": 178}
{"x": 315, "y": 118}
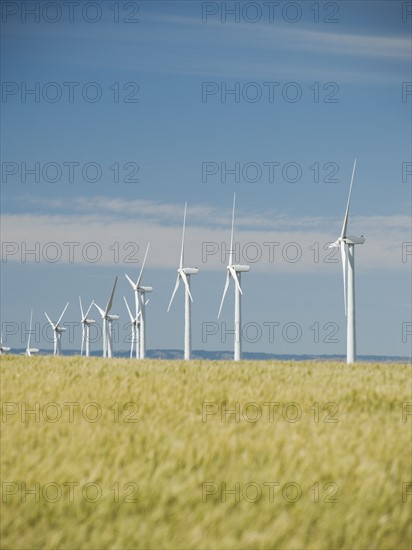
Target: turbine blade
{"x": 128, "y": 309}
{"x": 345, "y": 220}
{"x": 234, "y": 275}
{"x": 232, "y": 233}
{"x": 224, "y": 293}
{"x": 110, "y": 302}
{"x": 183, "y": 238}
{"x": 48, "y": 318}
{"x": 175, "y": 290}
{"x": 61, "y": 316}
{"x": 144, "y": 261}
{"x": 130, "y": 281}
{"x": 88, "y": 311}
{"x": 344, "y": 256}
{"x": 186, "y": 282}
{"x": 81, "y": 308}
{"x": 100, "y": 310}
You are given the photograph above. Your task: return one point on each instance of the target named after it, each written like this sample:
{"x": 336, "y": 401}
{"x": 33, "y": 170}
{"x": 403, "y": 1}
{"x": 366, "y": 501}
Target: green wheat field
{"x": 159, "y": 454}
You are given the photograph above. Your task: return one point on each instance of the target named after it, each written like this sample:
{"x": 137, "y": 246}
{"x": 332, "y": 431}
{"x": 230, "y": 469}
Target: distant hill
{"x": 177, "y": 354}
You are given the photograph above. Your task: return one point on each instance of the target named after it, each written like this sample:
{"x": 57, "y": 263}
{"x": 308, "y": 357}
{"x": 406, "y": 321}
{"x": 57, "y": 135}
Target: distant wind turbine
{"x": 3, "y": 349}
{"x": 347, "y": 249}
{"x": 135, "y": 324}
{"x": 140, "y": 306}
{"x": 57, "y": 332}
{"x": 234, "y": 271}
{"x": 184, "y": 273}
{"x": 29, "y": 350}
{"x": 86, "y": 322}
{"x": 107, "y": 321}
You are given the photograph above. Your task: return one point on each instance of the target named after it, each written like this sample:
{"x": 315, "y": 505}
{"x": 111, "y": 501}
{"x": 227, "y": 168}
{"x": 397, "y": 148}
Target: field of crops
{"x": 122, "y": 454}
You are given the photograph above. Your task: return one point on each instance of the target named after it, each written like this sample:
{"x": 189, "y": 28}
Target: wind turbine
{"x": 107, "y": 324}
{"x": 3, "y": 349}
{"x": 234, "y": 271}
{"x": 57, "y": 331}
{"x": 184, "y": 273}
{"x": 347, "y": 249}
{"x": 140, "y": 303}
{"x": 135, "y": 324}
{"x": 86, "y": 322}
{"x": 29, "y": 350}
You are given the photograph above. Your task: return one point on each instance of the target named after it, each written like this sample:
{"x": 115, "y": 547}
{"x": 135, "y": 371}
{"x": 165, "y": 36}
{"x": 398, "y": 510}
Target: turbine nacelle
{"x": 239, "y": 268}
{"x": 354, "y": 240}
{"x": 145, "y": 289}
{"x": 188, "y": 270}
{"x": 88, "y": 321}
{"x": 112, "y": 317}
{"x": 347, "y": 240}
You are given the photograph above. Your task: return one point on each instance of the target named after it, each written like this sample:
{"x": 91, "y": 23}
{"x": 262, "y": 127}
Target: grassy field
{"x": 148, "y": 454}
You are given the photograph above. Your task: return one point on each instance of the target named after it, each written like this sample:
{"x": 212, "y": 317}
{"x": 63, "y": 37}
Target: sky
{"x": 114, "y": 114}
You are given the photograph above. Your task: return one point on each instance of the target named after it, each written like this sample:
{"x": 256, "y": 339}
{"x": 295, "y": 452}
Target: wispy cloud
{"x": 230, "y": 50}
{"x": 301, "y": 38}
{"x": 261, "y": 236}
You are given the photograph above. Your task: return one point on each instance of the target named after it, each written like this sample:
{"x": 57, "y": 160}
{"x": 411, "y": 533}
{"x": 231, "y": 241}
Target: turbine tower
{"x": 30, "y": 351}
{"x": 86, "y": 322}
{"x": 347, "y": 249}
{"x": 57, "y": 332}
{"x": 107, "y": 324}
{"x": 184, "y": 273}
{"x": 135, "y": 324}
{"x": 235, "y": 270}
{"x": 140, "y": 304}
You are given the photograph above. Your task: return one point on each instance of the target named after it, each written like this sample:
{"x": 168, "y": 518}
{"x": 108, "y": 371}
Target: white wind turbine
{"x": 140, "y": 303}
{"x": 347, "y": 249}
{"x": 57, "y": 331}
{"x": 135, "y": 324}
{"x": 107, "y": 324}
{"x": 86, "y": 322}
{"x": 184, "y": 273}
{"x": 3, "y": 349}
{"x": 29, "y": 350}
{"x": 235, "y": 270}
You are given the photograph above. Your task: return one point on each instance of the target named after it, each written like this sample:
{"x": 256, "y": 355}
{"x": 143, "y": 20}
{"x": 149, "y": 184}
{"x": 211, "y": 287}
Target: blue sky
{"x": 337, "y": 93}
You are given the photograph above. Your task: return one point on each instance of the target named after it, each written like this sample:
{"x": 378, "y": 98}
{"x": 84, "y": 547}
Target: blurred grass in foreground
{"x": 151, "y": 471}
